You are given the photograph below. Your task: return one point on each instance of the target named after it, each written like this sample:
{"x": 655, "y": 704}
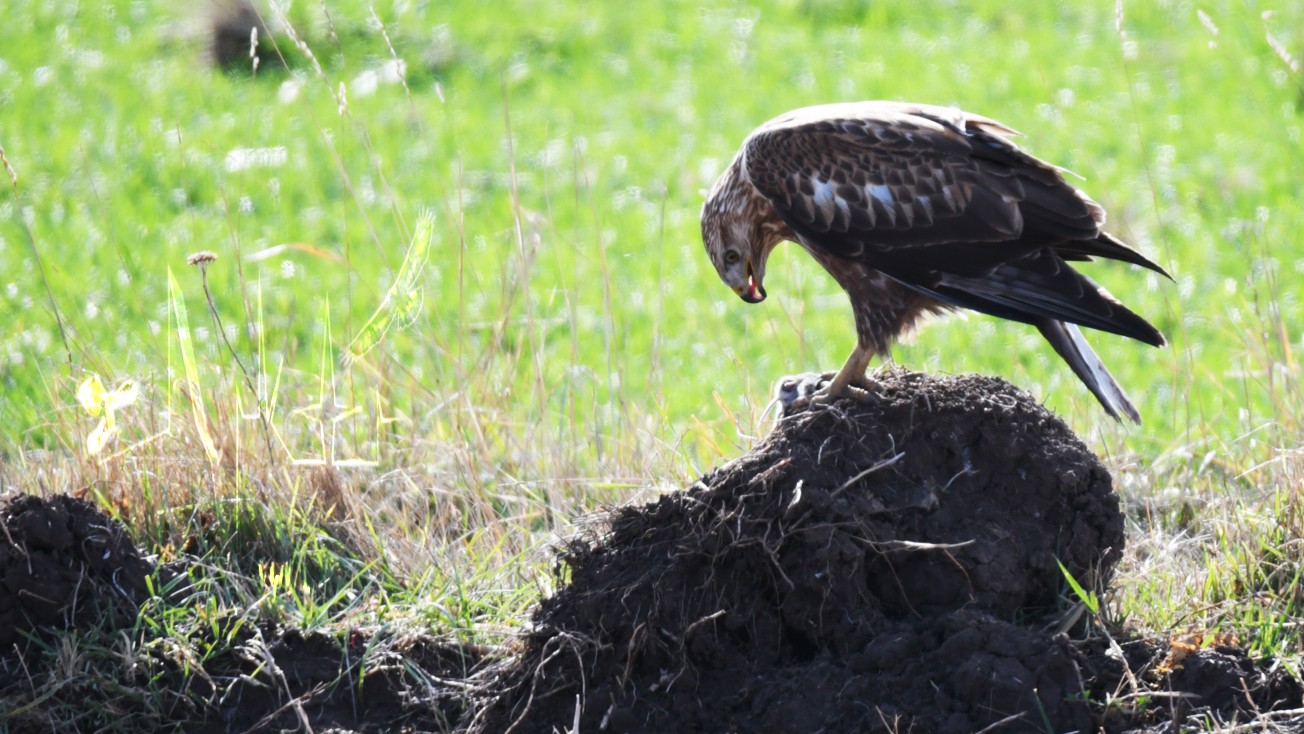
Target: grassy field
{"x": 566, "y": 343}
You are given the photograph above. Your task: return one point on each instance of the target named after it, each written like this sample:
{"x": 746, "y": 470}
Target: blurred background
{"x": 555, "y": 339}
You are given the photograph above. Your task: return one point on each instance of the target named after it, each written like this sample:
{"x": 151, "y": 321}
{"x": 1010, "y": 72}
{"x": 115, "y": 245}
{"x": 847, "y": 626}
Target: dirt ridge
{"x": 864, "y": 568}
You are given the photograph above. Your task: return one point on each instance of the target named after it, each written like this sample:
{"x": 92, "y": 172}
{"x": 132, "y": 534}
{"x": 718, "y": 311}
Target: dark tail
{"x": 1073, "y": 347}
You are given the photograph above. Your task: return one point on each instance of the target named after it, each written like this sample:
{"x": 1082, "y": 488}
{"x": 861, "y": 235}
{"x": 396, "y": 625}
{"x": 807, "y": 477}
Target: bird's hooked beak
{"x": 754, "y": 292}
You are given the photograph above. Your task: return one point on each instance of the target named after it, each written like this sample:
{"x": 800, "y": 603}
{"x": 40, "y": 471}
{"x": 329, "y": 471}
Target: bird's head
{"x": 740, "y": 264}
{"x": 739, "y": 229}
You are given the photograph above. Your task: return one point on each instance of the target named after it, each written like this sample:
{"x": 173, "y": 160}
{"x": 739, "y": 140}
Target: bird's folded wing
{"x": 1040, "y": 286}
{"x": 883, "y": 176}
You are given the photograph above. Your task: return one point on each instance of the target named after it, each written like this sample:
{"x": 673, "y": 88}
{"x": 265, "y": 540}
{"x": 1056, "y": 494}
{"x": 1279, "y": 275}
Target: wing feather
{"x": 944, "y": 203}
{"x": 1110, "y": 247}
{"x": 859, "y": 170}
{"x": 1042, "y": 286}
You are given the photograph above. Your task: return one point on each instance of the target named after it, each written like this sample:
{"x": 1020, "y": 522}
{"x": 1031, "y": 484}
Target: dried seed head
{"x": 201, "y": 258}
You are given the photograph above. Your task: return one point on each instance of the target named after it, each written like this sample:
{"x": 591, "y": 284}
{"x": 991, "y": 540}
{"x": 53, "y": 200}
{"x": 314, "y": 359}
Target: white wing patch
{"x": 950, "y": 199}
{"x": 831, "y": 204}
{"x": 823, "y": 195}
{"x": 846, "y": 211}
{"x": 928, "y": 207}
{"x": 880, "y": 192}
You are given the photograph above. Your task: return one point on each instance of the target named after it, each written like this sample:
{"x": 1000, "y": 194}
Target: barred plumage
{"x": 917, "y": 209}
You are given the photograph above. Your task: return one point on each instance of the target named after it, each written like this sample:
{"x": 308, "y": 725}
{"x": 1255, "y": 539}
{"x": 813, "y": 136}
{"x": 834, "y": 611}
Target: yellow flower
{"x": 101, "y": 435}
{"x": 91, "y": 395}
{"x": 97, "y": 401}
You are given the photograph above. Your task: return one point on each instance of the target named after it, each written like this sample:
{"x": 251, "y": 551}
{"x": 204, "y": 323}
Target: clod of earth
{"x": 361, "y": 685}
{"x": 64, "y": 564}
{"x": 865, "y": 568}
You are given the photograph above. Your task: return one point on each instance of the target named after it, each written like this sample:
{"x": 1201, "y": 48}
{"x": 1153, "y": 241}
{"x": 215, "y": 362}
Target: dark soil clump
{"x": 64, "y": 564}
{"x": 865, "y": 568}
{"x": 279, "y": 679}
{"x": 341, "y": 686}
{"x": 1220, "y": 683}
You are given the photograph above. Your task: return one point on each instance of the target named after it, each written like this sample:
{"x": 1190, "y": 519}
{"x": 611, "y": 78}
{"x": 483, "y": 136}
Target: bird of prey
{"x": 914, "y": 210}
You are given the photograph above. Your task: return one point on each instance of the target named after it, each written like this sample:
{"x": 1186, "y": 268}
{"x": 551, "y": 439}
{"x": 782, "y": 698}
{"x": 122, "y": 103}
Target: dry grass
{"x": 312, "y": 503}
{"x": 465, "y": 476}
{"x": 1216, "y": 525}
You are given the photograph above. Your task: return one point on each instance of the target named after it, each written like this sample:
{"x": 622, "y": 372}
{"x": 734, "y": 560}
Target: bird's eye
{"x": 732, "y": 257}
{"x": 789, "y": 385}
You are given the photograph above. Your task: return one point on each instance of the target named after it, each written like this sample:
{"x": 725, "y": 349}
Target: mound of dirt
{"x": 64, "y": 564}
{"x": 865, "y": 568}
{"x": 1157, "y": 686}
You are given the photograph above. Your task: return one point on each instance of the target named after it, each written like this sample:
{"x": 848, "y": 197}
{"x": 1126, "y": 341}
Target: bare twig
{"x": 40, "y": 264}
{"x": 885, "y": 463}
{"x": 708, "y": 618}
{"x": 1007, "y": 720}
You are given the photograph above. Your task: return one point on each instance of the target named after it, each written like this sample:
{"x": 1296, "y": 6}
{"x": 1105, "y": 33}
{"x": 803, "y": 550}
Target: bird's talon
{"x": 865, "y": 395}
{"x": 797, "y": 392}
{"x": 869, "y": 385}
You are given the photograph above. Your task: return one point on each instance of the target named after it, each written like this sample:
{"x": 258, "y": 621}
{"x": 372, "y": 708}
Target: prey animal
{"x": 915, "y": 210}
{"x": 795, "y": 391}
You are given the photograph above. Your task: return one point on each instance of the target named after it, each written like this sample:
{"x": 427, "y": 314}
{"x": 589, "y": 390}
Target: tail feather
{"x": 1073, "y": 347}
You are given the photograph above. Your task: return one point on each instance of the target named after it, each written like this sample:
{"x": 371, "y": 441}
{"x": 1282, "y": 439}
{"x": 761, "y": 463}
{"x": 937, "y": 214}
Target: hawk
{"x": 915, "y": 210}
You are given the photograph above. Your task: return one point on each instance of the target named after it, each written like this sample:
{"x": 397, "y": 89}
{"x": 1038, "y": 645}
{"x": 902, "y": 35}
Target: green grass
{"x": 121, "y": 135}
{"x": 577, "y": 349}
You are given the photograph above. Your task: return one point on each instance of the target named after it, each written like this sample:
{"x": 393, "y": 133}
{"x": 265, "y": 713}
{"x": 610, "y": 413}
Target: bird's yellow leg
{"x": 851, "y": 381}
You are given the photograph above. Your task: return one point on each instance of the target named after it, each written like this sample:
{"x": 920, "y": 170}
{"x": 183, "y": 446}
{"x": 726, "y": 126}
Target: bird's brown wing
{"x": 942, "y": 202}
{"x": 886, "y": 178}
{"x": 874, "y": 178}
